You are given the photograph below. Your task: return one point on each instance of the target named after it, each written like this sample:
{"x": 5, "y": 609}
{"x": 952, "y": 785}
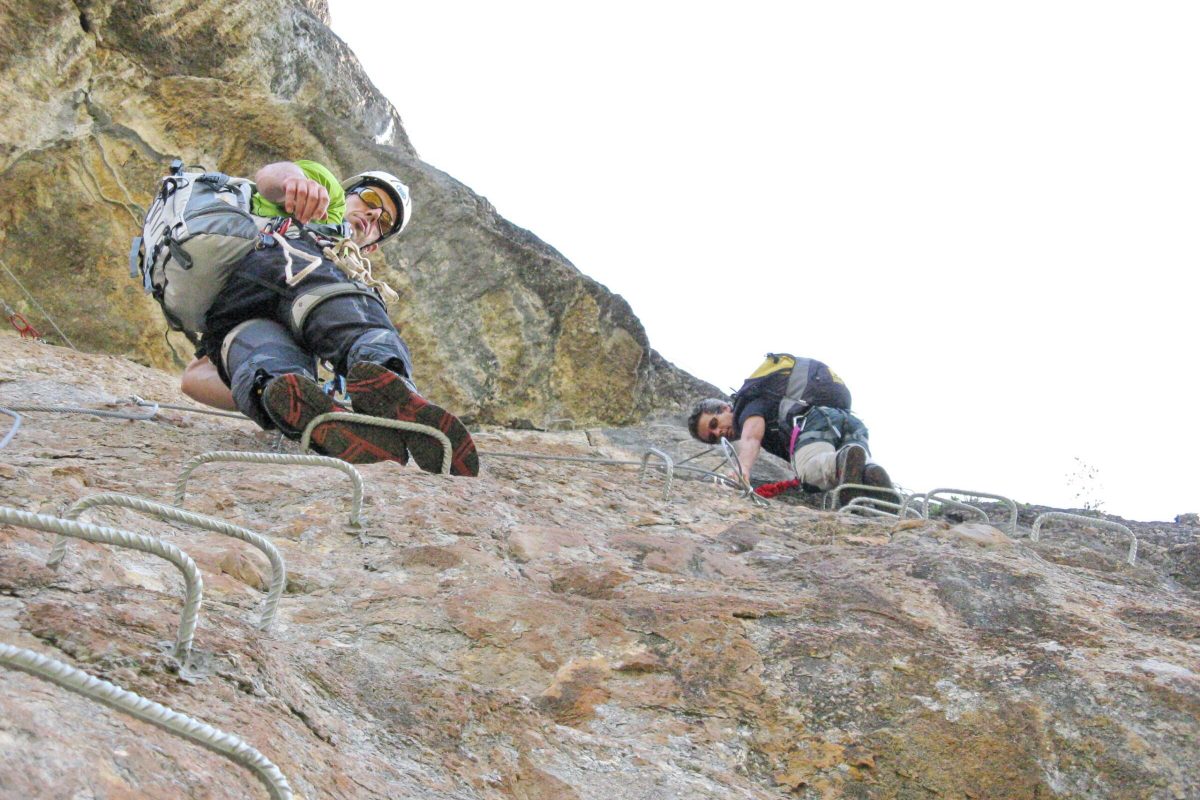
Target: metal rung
{"x": 13, "y": 430}
{"x": 874, "y": 505}
{"x": 668, "y": 468}
{"x": 1130, "y": 558}
{"x": 853, "y": 508}
{"x": 162, "y": 511}
{"x": 275, "y": 458}
{"x": 193, "y": 583}
{"x": 743, "y": 481}
{"x": 1012, "y": 506}
{"x": 831, "y": 499}
{"x": 380, "y": 422}
{"x": 79, "y": 682}
{"x": 910, "y": 503}
{"x": 948, "y": 503}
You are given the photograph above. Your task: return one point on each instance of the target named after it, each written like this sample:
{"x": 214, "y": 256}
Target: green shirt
{"x": 262, "y": 207}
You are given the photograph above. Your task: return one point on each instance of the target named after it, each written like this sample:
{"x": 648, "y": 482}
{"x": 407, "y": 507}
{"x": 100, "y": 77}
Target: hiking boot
{"x": 378, "y": 391}
{"x": 850, "y": 462}
{"x": 875, "y": 475}
{"x": 293, "y": 401}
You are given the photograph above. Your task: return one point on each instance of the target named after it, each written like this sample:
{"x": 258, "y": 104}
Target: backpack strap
{"x": 796, "y": 385}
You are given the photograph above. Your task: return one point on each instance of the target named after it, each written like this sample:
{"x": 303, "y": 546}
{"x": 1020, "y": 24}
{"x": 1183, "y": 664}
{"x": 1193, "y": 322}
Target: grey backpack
{"x": 197, "y": 228}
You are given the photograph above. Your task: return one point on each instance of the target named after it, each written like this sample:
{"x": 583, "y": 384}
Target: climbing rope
{"x": 38, "y": 305}
{"x": 193, "y": 583}
{"x": 770, "y": 490}
{"x": 162, "y": 511}
{"x": 274, "y": 458}
{"x": 80, "y": 682}
{"x": 347, "y": 257}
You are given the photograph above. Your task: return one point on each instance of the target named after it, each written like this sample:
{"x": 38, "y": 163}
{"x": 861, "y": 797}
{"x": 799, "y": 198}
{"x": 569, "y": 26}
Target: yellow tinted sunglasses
{"x": 374, "y": 200}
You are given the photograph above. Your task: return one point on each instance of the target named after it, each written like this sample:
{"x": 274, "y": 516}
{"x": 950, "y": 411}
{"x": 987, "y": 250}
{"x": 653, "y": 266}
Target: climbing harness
{"x": 797, "y": 385}
{"x": 303, "y": 304}
{"x": 313, "y": 260}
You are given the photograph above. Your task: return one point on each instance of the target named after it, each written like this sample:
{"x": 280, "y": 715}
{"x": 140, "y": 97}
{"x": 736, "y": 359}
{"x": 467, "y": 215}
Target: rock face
{"x": 100, "y": 96}
{"x": 557, "y": 629}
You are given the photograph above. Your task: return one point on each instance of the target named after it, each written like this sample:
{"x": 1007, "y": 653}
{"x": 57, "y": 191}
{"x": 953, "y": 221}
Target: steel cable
{"x": 213, "y": 411}
{"x": 93, "y": 411}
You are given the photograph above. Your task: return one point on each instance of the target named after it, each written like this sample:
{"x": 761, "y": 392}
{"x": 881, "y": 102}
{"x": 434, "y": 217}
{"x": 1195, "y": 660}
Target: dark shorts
{"x": 259, "y": 290}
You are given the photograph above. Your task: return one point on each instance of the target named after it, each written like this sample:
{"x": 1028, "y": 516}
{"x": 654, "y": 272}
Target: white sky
{"x": 983, "y": 216}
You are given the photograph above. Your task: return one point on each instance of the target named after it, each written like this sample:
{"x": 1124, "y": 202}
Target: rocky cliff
{"x": 100, "y": 95}
{"x": 559, "y": 629}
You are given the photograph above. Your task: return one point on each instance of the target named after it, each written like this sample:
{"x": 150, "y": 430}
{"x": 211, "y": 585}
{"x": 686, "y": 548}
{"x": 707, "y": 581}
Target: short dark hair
{"x": 709, "y": 405}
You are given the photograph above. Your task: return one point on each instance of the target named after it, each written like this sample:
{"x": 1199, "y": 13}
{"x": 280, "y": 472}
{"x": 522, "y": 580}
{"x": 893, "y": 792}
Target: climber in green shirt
{"x": 268, "y": 325}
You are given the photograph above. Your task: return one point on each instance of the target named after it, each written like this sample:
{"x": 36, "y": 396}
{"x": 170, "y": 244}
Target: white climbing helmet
{"x": 394, "y": 187}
